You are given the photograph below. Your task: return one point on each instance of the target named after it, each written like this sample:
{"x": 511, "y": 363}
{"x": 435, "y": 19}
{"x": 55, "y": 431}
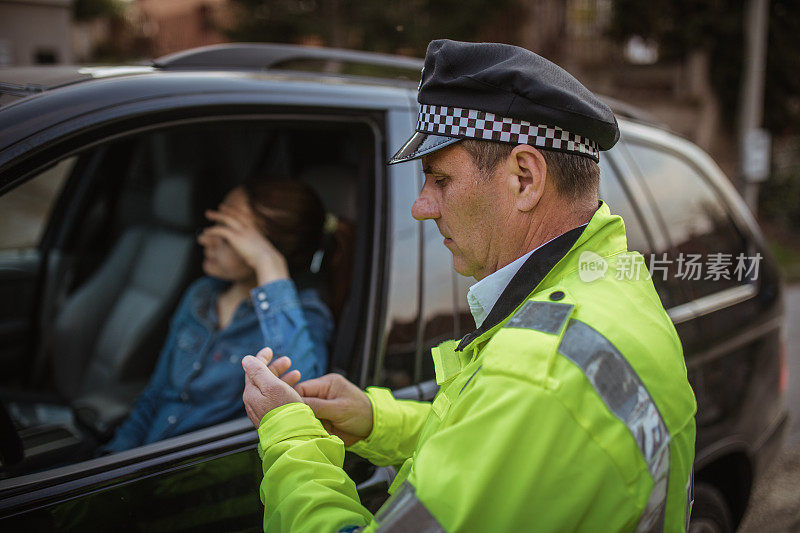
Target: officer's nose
{"x": 425, "y": 206}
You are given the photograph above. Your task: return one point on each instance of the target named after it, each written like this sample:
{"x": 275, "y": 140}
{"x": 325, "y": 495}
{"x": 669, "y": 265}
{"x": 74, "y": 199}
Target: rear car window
{"x": 710, "y": 253}
{"x": 613, "y": 193}
{"x": 26, "y": 209}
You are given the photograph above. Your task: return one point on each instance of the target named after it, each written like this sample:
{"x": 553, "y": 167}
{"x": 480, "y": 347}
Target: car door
{"x": 207, "y": 479}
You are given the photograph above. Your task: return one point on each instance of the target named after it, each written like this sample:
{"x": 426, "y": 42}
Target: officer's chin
{"x": 461, "y": 267}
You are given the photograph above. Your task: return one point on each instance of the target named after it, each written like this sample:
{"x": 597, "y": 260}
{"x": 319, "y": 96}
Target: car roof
{"x": 19, "y": 82}
{"x": 32, "y": 99}
{"x": 326, "y": 63}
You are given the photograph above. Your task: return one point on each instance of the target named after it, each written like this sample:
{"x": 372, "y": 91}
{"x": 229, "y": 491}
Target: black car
{"x": 104, "y": 173}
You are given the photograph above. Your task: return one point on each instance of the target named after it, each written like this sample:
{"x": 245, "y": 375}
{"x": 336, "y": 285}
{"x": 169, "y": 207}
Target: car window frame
{"x": 634, "y": 196}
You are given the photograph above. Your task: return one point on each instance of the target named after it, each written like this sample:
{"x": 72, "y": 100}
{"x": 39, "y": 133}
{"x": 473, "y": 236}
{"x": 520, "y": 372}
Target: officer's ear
{"x": 526, "y": 173}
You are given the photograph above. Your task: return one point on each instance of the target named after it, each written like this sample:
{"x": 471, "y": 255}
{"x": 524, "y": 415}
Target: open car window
{"x": 124, "y": 252}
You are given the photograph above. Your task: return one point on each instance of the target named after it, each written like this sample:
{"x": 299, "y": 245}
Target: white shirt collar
{"x": 483, "y": 295}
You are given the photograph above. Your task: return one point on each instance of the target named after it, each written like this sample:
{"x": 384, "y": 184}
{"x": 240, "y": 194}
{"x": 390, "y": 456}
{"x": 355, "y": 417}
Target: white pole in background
{"x": 754, "y": 141}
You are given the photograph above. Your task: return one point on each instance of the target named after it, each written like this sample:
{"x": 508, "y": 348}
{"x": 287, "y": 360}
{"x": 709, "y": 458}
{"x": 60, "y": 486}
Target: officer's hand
{"x": 343, "y": 408}
{"x": 267, "y": 387}
{"x": 280, "y": 367}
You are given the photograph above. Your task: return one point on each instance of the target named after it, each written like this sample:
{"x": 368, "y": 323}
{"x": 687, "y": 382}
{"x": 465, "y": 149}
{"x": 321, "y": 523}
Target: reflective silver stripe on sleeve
{"x": 403, "y": 512}
{"x": 548, "y": 317}
{"x": 625, "y": 395}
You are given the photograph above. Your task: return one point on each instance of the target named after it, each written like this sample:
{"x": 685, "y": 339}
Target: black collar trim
{"x": 532, "y": 271}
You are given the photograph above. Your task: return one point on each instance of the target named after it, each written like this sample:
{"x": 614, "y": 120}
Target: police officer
{"x": 568, "y": 407}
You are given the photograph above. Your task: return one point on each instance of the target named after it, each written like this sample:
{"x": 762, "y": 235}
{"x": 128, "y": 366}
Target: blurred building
{"x": 176, "y": 25}
{"x": 35, "y": 32}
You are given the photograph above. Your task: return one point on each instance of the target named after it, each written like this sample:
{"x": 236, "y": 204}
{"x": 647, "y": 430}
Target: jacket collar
{"x": 603, "y": 235}
{"x": 204, "y": 301}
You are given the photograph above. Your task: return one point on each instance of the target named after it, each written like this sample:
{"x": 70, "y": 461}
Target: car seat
{"x": 107, "y": 334}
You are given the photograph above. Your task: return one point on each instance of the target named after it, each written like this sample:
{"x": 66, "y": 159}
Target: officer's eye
{"x": 438, "y": 179}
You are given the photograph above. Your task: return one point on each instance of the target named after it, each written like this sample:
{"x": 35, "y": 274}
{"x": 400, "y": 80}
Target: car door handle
{"x": 379, "y": 480}
{"x": 424, "y": 391}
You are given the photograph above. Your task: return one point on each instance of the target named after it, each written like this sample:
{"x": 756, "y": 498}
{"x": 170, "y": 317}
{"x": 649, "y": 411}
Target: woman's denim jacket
{"x": 198, "y": 380}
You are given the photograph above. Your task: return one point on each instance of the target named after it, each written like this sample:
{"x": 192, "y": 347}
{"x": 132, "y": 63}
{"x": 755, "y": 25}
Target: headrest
{"x": 336, "y": 187}
{"x": 172, "y": 202}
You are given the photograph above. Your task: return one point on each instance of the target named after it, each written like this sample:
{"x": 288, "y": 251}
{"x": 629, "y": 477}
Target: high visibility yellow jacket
{"x": 571, "y": 413}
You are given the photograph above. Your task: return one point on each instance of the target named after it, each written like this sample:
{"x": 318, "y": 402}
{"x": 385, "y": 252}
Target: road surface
{"x": 775, "y": 505}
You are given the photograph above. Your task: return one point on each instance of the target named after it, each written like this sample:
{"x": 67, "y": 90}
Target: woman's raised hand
{"x": 238, "y": 229}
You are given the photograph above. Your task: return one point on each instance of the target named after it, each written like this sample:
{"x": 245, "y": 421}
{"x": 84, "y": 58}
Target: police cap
{"x": 504, "y": 93}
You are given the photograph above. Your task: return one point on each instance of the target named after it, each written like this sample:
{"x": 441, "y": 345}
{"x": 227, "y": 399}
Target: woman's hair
{"x": 291, "y": 215}
{"x": 293, "y": 218}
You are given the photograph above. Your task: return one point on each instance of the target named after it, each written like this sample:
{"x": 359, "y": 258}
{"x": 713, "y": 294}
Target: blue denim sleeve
{"x": 298, "y": 325}
{"x": 132, "y": 432}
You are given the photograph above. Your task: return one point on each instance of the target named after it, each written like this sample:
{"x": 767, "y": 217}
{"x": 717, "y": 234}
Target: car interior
{"x": 120, "y": 249}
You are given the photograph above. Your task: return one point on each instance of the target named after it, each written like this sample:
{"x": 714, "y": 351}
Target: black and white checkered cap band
{"x": 474, "y": 124}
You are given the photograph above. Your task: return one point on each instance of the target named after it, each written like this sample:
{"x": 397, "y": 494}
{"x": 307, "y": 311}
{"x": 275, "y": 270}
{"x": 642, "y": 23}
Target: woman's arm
{"x": 298, "y": 325}
{"x": 295, "y": 325}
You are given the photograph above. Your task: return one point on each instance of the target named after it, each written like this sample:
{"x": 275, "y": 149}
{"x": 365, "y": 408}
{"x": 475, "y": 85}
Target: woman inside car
{"x": 257, "y": 292}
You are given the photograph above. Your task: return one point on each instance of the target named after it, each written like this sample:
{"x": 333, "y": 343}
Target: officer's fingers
{"x": 291, "y": 378}
{"x": 258, "y": 373}
{"x": 327, "y": 409}
{"x": 265, "y": 354}
{"x": 317, "y": 387}
{"x": 341, "y": 387}
{"x": 280, "y": 365}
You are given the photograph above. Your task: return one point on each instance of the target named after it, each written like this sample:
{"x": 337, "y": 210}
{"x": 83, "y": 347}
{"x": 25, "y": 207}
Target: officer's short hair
{"x": 575, "y": 176}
